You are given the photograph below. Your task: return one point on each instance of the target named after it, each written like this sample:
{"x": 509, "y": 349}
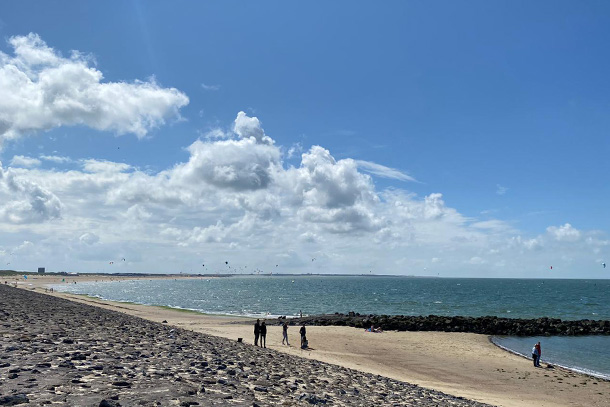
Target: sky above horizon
{"x": 418, "y": 138}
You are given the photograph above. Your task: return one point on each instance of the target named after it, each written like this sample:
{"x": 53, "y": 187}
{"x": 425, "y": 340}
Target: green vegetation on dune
{"x": 9, "y": 273}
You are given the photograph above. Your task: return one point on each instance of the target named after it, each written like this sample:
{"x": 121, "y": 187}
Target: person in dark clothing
{"x": 257, "y": 331}
{"x": 303, "y": 333}
{"x": 264, "y": 334}
{"x": 285, "y": 333}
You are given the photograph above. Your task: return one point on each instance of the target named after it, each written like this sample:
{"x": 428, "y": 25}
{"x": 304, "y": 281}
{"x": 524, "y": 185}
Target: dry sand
{"x": 461, "y": 364}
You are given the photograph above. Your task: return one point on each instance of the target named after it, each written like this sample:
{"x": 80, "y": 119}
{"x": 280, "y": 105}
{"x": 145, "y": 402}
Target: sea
{"x": 271, "y": 296}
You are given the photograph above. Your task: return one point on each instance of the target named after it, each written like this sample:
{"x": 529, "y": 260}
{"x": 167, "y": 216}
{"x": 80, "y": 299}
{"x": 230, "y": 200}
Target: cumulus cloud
{"x": 529, "y": 244}
{"x": 23, "y": 161}
{"x": 564, "y": 233}
{"x": 41, "y": 89}
{"x": 24, "y": 201}
{"x": 250, "y": 127}
{"x": 332, "y": 193}
{"x": 237, "y": 164}
{"x": 234, "y": 199}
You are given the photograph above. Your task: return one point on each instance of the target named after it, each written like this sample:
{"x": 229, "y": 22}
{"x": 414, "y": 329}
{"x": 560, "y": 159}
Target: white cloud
{"x": 383, "y": 171}
{"x": 91, "y": 165}
{"x": 529, "y": 244}
{"x": 24, "y": 201}
{"x": 434, "y": 206}
{"x": 250, "y": 127}
{"x": 332, "y": 193}
{"x": 42, "y": 89}
{"x": 216, "y": 134}
{"x": 234, "y": 199}
{"x": 56, "y": 159}
{"x": 22, "y": 161}
{"x": 565, "y": 233}
{"x": 237, "y": 164}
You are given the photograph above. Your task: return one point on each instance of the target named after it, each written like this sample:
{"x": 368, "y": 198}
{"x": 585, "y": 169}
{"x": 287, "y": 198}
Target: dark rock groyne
{"x": 63, "y": 353}
{"x": 481, "y": 325}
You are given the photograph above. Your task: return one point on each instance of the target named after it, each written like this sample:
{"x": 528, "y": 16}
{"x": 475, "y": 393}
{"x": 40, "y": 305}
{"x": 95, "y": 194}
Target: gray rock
{"x": 14, "y": 400}
{"x": 109, "y": 403}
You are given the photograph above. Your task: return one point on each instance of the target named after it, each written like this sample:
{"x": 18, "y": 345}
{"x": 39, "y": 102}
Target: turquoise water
{"x": 287, "y": 295}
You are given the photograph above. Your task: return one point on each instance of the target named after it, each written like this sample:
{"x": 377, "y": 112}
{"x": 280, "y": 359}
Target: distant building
{"x": 41, "y": 270}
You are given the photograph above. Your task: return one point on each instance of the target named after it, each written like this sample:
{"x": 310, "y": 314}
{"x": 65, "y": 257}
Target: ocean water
{"x": 584, "y": 354}
{"x": 271, "y": 296}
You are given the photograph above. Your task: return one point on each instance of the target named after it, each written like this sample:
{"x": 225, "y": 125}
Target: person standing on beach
{"x": 257, "y": 331}
{"x": 285, "y": 333}
{"x": 535, "y": 355}
{"x": 539, "y": 349}
{"x": 303, "y": 333}
{"x": 264, "y": 334}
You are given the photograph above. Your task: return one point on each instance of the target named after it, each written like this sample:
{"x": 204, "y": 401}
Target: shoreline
{"x": 61, "y": 352}
{"x": 463, "y": 364}
{"x": 243, "y": 319}
{"x": 593, "y": 375}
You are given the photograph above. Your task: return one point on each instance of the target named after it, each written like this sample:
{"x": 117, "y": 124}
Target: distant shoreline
{"x": 15, "y": 273}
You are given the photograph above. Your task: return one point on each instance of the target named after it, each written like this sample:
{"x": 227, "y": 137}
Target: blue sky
{"x": 501, "y": 107}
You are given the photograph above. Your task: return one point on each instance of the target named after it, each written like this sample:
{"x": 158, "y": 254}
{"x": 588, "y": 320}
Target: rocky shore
{"x": 61, "y": 353}
{"x": 480, "y": 325}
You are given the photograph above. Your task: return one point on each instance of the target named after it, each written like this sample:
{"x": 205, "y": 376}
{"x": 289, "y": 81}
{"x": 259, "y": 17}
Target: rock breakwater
{"x": 488, "y": 325}
{"x": 62, "y": 353}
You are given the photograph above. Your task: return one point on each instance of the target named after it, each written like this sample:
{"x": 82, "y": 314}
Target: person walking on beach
{"x": 257, "y": 331}
{"x": 539, "y": 349}
{"x": 264, "y": 334}
{"x": 303, "y": 333}
{"x": 535, "y": 355}
{"x": 285, "y": 333}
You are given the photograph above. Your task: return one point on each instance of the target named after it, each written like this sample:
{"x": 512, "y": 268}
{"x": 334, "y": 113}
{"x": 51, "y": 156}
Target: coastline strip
{"x": 467, "y": 365}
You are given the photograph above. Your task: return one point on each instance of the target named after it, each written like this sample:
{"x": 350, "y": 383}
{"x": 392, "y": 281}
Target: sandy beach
{"x": 460, "y": 364}
{"x": 63, "y": 353}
